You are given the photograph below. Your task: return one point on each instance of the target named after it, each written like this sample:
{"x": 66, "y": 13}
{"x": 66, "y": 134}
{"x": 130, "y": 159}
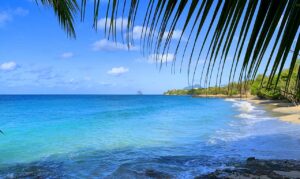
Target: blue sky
{"x": 37, "y": 57}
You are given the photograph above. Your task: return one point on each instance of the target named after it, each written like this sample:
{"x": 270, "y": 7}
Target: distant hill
{"x": 260, "y": 87}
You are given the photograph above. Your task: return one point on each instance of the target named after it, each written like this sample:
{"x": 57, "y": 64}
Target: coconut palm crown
{"x": 253, "y": 29}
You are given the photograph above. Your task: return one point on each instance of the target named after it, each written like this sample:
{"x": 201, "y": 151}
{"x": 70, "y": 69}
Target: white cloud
{"x": 160, "y": 58}
{"x": 118, "y": 22}
{"x": 106, "y": 45}
{"x": 8, "y": 66}
{"x": 138, "y": 30}
{"x": 8, "y": 15}
{"x": 67, "y": 55}
{"x": 20, "y": 11}
{"x": 176, "y": 34}
{"x": 117, "y": 71}
{"x": 4, "y": 17}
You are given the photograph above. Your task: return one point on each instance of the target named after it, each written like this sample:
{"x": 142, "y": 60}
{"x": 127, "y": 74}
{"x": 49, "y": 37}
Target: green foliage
{"x": 235, "y": 89}
{"x": 285, "y": 88}
{"x": 177, "y": 92}
{"x": 269, "y": 94}
{"x": 261, "y": 87}
{"x": 255, "y": 23}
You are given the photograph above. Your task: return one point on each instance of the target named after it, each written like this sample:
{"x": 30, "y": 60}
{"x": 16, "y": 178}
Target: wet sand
{"x": 283, "y": 110}
{"x": 280, "y": 109}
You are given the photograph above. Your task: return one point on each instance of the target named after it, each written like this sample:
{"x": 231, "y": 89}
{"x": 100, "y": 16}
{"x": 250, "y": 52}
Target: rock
{"x": 290, "y": 174}
{"x": 256, "y": 168}
{"x": 250, "y": 159}
{"x": 156, "y": 174}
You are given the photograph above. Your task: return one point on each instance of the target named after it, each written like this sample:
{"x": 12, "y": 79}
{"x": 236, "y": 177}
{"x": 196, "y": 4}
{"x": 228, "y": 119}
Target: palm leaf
{"x": 65, "y": 11}
{"x": 255, "y": 23}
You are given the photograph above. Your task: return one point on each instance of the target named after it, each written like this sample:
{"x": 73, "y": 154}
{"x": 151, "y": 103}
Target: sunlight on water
{"x": 116, "y": 135}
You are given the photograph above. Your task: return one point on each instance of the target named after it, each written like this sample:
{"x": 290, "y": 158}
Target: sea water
{"x": 128, "y": 136}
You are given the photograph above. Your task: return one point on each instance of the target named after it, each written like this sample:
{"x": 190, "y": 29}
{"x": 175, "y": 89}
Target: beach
{"x": 261, "y": 168}
{"x": 143, "y": 136}
{"x": 280, "y": 109}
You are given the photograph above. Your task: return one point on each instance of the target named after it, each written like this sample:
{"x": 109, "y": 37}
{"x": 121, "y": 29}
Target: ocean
{"x": 135, "y": 136}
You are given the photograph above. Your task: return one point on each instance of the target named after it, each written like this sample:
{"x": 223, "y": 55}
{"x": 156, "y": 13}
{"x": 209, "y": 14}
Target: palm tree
{"x": 255, "y": 30}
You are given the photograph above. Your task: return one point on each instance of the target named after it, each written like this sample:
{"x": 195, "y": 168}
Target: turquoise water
{"x": 135, "y": 136}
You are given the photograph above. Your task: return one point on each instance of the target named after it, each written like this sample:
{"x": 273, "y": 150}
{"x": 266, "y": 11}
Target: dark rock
{"x": 250, "y": 159}
{"x": 156, "y": 174}
{"x": 255, "y": 168}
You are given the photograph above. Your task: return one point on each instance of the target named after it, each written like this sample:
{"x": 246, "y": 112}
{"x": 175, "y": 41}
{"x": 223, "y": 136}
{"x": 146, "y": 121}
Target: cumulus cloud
{"x": 160, "y": 58}
{"x": 8, "y": 15}
{"x": 4, "y": 17}
{"x": 176, "y": 34}
{"x": 117, "y": 22}
{"x": 138, "y": 31}
{"x": 67, "y": 55}
{"x": 20, "y": 11}
{"x": 8, "y": 66}
{"x": 106, "y": 45}
{"x": 117, "y": 71}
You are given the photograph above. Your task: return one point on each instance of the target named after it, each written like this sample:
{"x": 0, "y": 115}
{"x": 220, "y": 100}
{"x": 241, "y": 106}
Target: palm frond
{"x": 65, "y": 11}
{"x": 265, "y": 31}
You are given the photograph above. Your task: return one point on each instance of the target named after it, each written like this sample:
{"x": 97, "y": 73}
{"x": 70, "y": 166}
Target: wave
{"x": 244, "y": 106}
{"x": 250, "y": 118}
{"x": 246, "y": 116}
{"x": 247, "y": 109}
{"x": 230, "y": 99}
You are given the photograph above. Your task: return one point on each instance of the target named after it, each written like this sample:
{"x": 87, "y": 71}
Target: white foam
{"x": 246, "y": 116}
{"x": 249, "y": 112}
{"x": 226, "y": 136}
{"x": 244, "y": 106}
{"x": 253, "y": 122}
{"x": 230, "y": 100}
{"x": 249, "y": 115}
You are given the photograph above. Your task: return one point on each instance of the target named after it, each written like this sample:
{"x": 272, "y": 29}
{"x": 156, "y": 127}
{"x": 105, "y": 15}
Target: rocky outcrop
{"x": 254, "y": 168}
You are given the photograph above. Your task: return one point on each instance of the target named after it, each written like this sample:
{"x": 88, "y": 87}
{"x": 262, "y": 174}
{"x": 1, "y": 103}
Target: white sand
{"x": 288, "y": 112}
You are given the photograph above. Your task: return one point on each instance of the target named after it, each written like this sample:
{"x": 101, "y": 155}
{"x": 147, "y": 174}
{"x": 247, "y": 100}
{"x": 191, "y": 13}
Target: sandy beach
{"x": 283, "y": 110}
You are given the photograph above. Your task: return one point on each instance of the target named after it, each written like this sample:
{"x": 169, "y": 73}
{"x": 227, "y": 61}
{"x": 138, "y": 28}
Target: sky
{"x": 37, "y": 56}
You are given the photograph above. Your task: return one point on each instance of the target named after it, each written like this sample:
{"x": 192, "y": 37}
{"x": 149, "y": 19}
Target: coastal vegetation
{"x": 258, "y": 87}
{"x": 248, "y": 28}
{"x": 257, "y": 43}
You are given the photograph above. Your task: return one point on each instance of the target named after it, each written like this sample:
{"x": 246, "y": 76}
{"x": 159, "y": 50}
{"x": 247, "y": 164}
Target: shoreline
{"x": 166, "y": 161}
{"x": 263, "y": 168}
{"x": 282, "y": 110}
{"x": 244, "y": 169}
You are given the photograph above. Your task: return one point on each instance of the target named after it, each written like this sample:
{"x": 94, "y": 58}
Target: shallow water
{"x": 135, "y": 136}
